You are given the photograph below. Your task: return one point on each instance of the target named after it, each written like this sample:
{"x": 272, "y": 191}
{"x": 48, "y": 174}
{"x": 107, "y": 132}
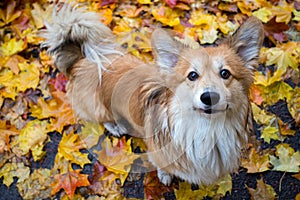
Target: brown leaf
{"x": 153, "y": 188}
{"x": 274, "y": 30}
{"x": 263, "y": 191}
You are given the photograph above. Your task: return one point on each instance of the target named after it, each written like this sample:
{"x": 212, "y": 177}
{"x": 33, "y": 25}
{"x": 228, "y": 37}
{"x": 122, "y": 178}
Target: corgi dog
{"x": 190, "y": 106}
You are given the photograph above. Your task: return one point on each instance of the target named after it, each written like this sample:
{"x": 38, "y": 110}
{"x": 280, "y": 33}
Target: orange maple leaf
{"x": 69, "y": 182}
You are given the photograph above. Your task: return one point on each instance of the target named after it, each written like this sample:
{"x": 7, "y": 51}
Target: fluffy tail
{"x": 75, "y": 34}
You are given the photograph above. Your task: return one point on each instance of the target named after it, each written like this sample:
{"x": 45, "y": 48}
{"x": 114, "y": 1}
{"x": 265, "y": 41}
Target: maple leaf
{"x": 221, "y": 187}
{"x": 13, "y": 46}
{"x": 294, "y": 104}
{"x": 37, "y": 185}
{"x": 40, "y": 15}
{"x": 185, "y": 192}
{"x": 256, "y": 95}
{"x": 269, "y": 133}
{"x": 167, "y": 16}
{"x": 153, "y": 188}
{"x": 256, "y": 162}
{"x": 283, "y": 11}
{"x": 90, "y": 134}
{"x": 117, "y": 156}
{"x": 284, "y": 56}
{"x": 264, "y": 14}
{"x": 32, "y": 138}
{"x": 261, "y": 116}
{"x": 5, "y": 133}
{"x": 285, "y": 128}
{"x": 58, "y": 109}
{"x": 69, "y": 182}
{"x": 9, "y": 14}
{"x": 13, "y": 169}
{"x": 274, "y": 30}
{"x": 263, "y": 191}
{"x": 288, "y": 160}
{"x": 69, "y": 149}
{"x": 14, "y": 83}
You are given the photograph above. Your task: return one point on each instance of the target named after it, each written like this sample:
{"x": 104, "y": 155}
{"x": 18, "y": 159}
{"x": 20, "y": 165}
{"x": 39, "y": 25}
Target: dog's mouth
{"x": 210, "y": 110}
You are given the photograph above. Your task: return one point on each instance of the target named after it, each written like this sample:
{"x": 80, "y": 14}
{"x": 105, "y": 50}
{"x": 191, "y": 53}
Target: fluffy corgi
{"x": 191, "y": 106}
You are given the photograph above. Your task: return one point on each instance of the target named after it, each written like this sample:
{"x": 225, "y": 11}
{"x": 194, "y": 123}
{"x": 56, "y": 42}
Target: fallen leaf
{"x": 167, "y": 16}
{"x": 269, "y": 133}
{"x": 32, "y": 139}
{"x": 69, "y": 149}
{"x": 11, "y": 170}
{"x": 256, "y": 162}
{"x": 287, "y": 159}
{"x": 37, "y": 185}
{"x": 90, "y": 134}
{"x": 256, "y": 95}
{"x": 264, "y": 14}
{"x": 263, "y": 191}
{"x": 117, "y": 156}
{"x": 69, "y": 182}
{"x": 9, "y": 14}
{"x": 13, "y": 46}
{"x": 153, "y": 188}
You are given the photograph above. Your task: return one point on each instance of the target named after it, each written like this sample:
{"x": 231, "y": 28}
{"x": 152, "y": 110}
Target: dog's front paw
{"x": 164, "y": 177}
{"x": 114, "y": 129}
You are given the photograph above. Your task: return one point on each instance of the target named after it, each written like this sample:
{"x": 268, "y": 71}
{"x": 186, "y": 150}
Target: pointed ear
{"x": 247, "y": 41}
{"x": 165, "y": 49}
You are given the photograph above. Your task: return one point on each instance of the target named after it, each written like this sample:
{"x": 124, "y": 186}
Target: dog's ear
{"x": 247, "y": 41}
{"x": 165, "y": 49}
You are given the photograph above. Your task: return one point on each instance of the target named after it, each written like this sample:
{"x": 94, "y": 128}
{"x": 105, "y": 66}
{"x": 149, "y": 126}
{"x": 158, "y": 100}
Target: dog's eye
{"x": 193, "y": 76}
{"x": 225, "y": 73}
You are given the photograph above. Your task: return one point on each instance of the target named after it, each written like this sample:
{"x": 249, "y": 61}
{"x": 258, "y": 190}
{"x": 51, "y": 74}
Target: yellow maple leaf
{"x": 167, "y": 16}
{"x": 261, "y": 116}
{"x": 90, "y": 134}
{"x": 256, "y": 162}
{"x": 145, "y": 1}
{"x": 283, "y": 56}
{"x": 38, "y": 14}
{"x": 270, "y": 132}
{"x": 200, "y": 18}
{"x": 29, "y": 76}
{"x": 32, "y": 139}
{"x": 264, "y": 14}
{"x": 296, "y": 15}
{"x": 13, "y": 46}
{"x": 283, "y": 11}
{"x": 268, "y": 80}
{"x": 58, "y": 109}
{"x": 117, "y": 156}
{"x": 11, "y": 170}
{"x": 294, "y": 104}
{"x": 14, "y": 83}
{"x": 288, "y": 160}
{"x": 69, "y": 149}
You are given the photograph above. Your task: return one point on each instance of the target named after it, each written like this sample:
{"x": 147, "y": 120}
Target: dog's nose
{"x": 210, "y": 98}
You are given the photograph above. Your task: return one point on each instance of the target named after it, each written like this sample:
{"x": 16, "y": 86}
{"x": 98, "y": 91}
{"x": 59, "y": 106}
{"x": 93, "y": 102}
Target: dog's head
{"x": 214, "y": 79}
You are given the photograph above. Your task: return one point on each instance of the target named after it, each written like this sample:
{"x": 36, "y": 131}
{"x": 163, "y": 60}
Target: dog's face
{"x": 215, "y": 79}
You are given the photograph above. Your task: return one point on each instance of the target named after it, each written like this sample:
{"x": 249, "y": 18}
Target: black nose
{"x": 210, "y": 98}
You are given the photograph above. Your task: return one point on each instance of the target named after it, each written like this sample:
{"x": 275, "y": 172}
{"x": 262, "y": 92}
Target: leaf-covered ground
{"x": 45, "y": 152}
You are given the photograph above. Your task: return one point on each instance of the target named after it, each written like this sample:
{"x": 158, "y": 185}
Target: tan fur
{"x": 157, "y": 102}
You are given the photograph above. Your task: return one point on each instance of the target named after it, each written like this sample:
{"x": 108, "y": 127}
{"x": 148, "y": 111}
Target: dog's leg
{"x": 164, "y": 177}
{"x": 114, "y": 129}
